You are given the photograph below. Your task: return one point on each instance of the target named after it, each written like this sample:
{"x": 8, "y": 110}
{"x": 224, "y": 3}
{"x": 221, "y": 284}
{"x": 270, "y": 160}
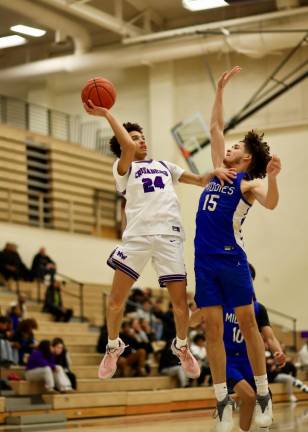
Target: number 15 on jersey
{"x": 210, "y": 202}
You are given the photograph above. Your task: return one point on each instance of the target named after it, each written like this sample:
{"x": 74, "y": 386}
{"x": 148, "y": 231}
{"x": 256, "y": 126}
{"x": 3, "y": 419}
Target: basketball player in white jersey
{"x": 153, "y": 232}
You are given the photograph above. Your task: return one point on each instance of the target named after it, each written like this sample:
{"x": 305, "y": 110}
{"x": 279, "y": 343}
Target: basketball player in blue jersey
{"x": 240, "y": 377}
{"x": 221, "y": 267}
{"x": 153, "y": 232}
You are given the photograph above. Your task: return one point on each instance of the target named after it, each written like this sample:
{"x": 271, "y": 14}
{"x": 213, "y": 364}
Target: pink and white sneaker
{"x": 188, "y": 361}
{"x": 108, "y": 365}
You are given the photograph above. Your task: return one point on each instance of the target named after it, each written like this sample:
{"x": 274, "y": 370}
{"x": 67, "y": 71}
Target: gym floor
{"x": 288, "y": 417}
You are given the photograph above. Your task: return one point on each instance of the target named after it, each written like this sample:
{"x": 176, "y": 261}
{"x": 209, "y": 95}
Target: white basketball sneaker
{"x": 224, "y": 420}
{"x": 264, "y": 411}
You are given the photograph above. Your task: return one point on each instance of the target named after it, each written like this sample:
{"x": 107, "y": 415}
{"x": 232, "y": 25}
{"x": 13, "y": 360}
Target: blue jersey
{"x": 221, "y": 213}
{"x": 234, "y": 341}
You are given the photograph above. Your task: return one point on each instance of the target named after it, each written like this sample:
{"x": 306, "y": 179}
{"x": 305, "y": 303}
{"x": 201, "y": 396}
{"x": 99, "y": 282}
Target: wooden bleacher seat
{"x": 94, "y": 385}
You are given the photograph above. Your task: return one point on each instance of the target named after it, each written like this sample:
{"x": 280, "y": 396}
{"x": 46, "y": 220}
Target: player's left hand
{"x": 280, "y": 358}
{"x": 225, "y": 174}
{"x": 273, "y": 167}
{"x": 94, "y": 109}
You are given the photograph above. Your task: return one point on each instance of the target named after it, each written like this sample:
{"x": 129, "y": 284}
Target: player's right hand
{"x": 94, "y": 109}
{"x": 226, "y": 76}
{"x": 225, "y": 174}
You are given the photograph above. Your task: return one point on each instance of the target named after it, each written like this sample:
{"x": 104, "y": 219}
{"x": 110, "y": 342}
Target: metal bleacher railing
{"x": 43, "y": 194}
{"x": 289, "y": 322}
{"x": 59, "y": 125}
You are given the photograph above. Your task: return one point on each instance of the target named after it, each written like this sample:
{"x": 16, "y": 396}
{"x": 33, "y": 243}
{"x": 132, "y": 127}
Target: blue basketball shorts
{"x": 238, "y": 369}
{"x": 223, "y": 280}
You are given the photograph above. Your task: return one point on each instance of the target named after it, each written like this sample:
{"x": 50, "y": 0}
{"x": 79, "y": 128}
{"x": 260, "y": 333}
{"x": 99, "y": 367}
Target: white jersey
{"x": 152, "y": 206}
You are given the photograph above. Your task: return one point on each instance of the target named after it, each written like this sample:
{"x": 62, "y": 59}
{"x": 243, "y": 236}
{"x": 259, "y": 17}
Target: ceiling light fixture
{"x": 30, "y": 31}
{"x": 197, "y": 5}
{"x": 11, "y": 41}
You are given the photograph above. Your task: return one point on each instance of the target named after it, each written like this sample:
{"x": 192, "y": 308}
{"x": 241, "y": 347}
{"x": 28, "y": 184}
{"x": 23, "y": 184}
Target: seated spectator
{"x": 134, "y": 300}
{"x": 53, "y": 303}
{"x": 11, "y": 265}
{"x": 141, "y": 336}
{"x": 42, "y": 265}
{"x": 303, "y": 357}
{"x": 41, "y": 366}
{"x": 24, "y": 339}
{"x": 8, "y": 354}
{"x": 168, "y": 324}
{"x": 102, "y": 340}
{"x": 276, "y": 376}
{"x": 145, "y": 310}
{"x": 198, "y": 348}
{"x": 134, "y": 356}
{"x": 169, "y": 365}
{"x": 14, "y": 313}
{"x": 62, "y": 358}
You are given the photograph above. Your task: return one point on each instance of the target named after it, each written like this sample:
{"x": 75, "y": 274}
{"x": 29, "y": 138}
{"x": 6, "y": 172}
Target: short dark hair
{"x": 260, "y": 153}
{"x": 114, "y": 144}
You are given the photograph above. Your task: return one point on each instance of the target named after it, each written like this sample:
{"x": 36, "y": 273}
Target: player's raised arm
{"x": 268, "y": 197}
{"x": 217, "y": 119}
{"x": 128, "y": 147}
{"x": 224, "y": 174}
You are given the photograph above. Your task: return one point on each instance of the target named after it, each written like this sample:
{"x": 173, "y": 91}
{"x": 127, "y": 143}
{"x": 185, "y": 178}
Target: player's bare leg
{"x": 121, "y": 286}
{"x": 178, "y": 296}
{"x": 247, "y": 397}
{"x": 213, "y": 319}
{"x": 255, "y": 346}
{"x": 256, "y": 353}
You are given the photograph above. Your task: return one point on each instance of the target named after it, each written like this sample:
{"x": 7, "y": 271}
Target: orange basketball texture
{"x": 100, "y": 91}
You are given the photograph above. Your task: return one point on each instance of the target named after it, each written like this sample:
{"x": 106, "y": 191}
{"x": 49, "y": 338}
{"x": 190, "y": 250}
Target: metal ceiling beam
{"x": 218, "y": 25}
{"x": 96, "y": 16}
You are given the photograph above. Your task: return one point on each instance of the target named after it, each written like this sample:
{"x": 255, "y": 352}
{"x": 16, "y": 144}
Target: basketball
{"x": 100, "y": 91}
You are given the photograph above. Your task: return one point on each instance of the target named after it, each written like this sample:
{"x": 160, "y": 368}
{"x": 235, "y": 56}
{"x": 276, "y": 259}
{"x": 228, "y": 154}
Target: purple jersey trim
{"x": 163, "y": 280}
{"x": 165, "y": 165}
{"x": 125, "y": 269}
{"x": 144, "y": 161}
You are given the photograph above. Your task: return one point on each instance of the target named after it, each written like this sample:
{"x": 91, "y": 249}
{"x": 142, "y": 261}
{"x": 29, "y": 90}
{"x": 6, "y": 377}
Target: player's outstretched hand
{"x": 280, "y": 358}
{"x": 225, "y": 174}
{"x": 94, "y": 109}
{"x": 226, "y": 76}
{"x": 273, "y": 167}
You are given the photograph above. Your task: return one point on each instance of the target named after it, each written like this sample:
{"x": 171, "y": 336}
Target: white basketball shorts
{"x": 166, "y": 253}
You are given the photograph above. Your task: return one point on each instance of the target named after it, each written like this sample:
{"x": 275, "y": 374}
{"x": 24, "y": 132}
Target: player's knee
{"x": 214, "y": 330}
{"x": 247, "y": 324}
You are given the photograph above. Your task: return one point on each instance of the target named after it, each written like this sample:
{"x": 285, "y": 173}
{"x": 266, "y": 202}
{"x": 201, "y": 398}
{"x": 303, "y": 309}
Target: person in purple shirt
{"x": 41, "y": 366}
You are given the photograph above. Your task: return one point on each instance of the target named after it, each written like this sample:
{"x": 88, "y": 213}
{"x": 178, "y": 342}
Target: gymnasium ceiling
{"x": 83, "y": 26}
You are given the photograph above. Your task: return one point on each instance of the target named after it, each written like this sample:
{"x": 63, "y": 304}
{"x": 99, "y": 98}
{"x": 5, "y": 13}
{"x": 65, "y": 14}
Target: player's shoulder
{"x": 248, "y": 184}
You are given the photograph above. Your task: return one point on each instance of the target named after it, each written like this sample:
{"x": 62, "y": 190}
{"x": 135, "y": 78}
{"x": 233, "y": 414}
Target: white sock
{"x": 242, "y": 430}
{"x": 113, "y": 343}
{"x": 261, "y": 384}
{"x": 179, "y": 343}
{"x": 221, "y": 391}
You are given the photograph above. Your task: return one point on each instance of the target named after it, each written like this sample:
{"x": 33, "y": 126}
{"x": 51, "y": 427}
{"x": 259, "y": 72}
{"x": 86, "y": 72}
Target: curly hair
{"x": 114, "y": 144}
{"x": 260, "y": 153}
